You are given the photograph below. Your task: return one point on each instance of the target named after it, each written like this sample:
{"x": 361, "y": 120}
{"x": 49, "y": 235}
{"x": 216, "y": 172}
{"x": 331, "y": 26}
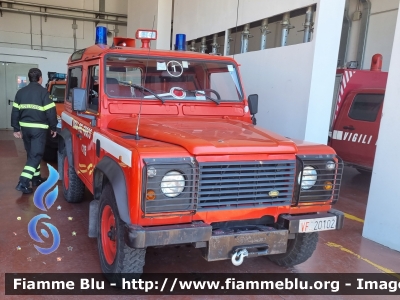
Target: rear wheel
{"x": 73, "y": 187}
{"x": 116, "y": 258}
{"x": 298, "y": 251}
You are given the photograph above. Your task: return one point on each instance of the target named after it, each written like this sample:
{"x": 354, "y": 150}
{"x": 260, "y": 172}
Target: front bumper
{"x": 220, "y": 244}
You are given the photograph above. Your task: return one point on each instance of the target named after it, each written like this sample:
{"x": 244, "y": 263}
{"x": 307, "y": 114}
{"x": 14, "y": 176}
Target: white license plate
{"x": 321, "y": 224}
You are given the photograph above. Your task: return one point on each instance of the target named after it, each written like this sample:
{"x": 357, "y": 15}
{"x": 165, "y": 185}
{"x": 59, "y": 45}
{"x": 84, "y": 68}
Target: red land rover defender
{"x": 165, "y": 142}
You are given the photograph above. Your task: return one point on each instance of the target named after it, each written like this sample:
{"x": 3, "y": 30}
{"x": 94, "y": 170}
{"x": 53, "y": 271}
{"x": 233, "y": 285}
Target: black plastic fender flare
{"x": 66, "y": 142}
{"x": 113, "y": 171}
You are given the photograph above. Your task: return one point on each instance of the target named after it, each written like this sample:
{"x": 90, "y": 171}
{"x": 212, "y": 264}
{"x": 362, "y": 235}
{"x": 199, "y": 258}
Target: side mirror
{"x": 253, "y": 106}
{"x": 79, "y": 99}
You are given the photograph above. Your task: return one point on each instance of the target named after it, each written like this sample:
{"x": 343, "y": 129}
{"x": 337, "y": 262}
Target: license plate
{"x": 321, "y": 224}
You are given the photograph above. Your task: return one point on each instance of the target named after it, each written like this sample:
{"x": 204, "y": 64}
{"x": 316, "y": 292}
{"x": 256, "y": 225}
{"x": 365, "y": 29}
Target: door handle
{"x": 9, "y": 101}
{"x": 79, "y": 135}
{"x": 349, "y": 127}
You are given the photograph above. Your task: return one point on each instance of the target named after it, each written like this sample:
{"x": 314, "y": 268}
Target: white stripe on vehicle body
{"x": 66, "y": 118}
{"x": 114, "y": 149}
{"x": 345, "y": 80}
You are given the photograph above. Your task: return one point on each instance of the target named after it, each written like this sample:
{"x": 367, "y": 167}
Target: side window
{"x": 74, "y": 80}
{"x": 366, "y": 107}
{"x": 93, "y": 88}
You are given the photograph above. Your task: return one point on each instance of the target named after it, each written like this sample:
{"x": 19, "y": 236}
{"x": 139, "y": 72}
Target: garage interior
{"x": 288, "y": 52}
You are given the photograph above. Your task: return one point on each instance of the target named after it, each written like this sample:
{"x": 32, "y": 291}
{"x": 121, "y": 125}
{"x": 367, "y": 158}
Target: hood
{"x": 207, "y": 136}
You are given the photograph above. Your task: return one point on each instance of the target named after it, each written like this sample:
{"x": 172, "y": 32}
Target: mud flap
{"x": 93, "y": 218}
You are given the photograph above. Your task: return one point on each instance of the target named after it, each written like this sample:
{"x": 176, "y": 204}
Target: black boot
{"x": 38, "y": 181}
{"x": 25, "y": 189}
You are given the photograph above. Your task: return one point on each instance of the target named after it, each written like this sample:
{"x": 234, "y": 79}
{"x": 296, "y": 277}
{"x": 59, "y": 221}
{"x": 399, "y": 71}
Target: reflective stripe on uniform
{"x": 33, "y": 170}
{"x": 34, "y": 106}
{"x": 29, "y": 176}
{"x": 48, "y": 106}
{"x": 36, "y": 173}
{"x": 38, "y": 168}
{"x": 15, "y": 105}
{"x": 33, "y": 125}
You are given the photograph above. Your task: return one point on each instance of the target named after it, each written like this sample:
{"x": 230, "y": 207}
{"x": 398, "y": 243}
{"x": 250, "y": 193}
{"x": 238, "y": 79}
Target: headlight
{"x": 172, "y": 184}
{"x": 330, "y": 166}
{"x": 308, "y": 178}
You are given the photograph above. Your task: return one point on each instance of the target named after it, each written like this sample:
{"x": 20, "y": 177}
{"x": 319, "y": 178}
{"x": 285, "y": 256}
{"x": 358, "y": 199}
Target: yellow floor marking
{"x": 354, "y": 218}
{"x": 383, "y": 269}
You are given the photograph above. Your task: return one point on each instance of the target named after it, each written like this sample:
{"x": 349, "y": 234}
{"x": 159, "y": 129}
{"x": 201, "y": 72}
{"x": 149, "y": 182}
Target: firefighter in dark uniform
{"x": 33, "y": 113}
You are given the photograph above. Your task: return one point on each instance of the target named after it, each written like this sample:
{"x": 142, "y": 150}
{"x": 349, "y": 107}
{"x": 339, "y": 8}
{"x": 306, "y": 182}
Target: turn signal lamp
{"x": 328, "y": 186}
{"x": 146, "y": 36}
{"x": 151, "y": 195}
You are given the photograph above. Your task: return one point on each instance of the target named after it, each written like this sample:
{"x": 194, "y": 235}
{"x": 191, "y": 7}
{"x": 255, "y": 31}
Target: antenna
{"x": 137, "y": 137}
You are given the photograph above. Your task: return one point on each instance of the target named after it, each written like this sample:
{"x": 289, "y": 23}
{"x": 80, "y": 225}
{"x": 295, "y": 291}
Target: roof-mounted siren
{"x": 124, "y": 42}
{"x": 180, "y": 42}
{"x": 101, "y": 35}
{"x": 376, "y": 63}
{"x": 146, "y": 36}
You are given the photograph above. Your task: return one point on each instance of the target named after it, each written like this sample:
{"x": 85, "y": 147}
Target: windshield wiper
{"x": 202, "y": 92}
{"x": 142, "y": 88}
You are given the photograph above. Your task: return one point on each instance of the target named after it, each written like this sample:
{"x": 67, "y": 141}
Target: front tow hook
{"x": 239, "y": 253}
{"x": 238, "y": 257}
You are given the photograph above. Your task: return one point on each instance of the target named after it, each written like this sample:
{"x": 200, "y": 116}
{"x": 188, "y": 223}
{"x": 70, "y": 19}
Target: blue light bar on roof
{"x": 180, "y": 42}
{"x": 101, "y": 35}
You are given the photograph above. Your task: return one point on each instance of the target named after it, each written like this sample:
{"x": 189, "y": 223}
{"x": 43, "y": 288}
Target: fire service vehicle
{"x": 56, "y": 88}
{"x": 166, "y": 143}
{"x": 357, "y": 113}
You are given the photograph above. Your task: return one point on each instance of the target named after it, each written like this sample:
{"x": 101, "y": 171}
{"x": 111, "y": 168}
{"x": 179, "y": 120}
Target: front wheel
{"x": 116, "y": 258}
{"x": 298, "y": 250}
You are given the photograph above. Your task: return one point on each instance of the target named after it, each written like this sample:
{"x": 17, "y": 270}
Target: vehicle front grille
{"x": 238, "y": 185}
{"x": 333, "y": 179}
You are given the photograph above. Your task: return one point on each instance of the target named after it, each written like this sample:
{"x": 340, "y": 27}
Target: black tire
{"x": 73, "y": 187}
{"x": 298, "y": 251}
{"x": 364, "y": 172}
{"x": 127, "y": 262}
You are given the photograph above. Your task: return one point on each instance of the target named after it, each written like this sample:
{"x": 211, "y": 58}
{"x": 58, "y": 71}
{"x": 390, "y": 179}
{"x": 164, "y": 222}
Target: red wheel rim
{"x": 66, "y": 178}
{"x": 108, "y": 234}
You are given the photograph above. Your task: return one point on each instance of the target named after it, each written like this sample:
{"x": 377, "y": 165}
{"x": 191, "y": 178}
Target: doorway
{"x": 13, "y": 76}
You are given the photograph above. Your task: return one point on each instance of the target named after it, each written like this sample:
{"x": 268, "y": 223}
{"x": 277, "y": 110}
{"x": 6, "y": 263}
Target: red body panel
{"x": 355, "y": 140}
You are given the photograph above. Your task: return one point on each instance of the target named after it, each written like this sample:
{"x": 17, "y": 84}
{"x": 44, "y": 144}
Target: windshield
{"x": 171, "y": 78}
{"x": 57, "y": 92}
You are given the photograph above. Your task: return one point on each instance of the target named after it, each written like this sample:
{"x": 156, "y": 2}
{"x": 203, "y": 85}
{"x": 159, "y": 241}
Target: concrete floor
{"x": 344, "y": 251}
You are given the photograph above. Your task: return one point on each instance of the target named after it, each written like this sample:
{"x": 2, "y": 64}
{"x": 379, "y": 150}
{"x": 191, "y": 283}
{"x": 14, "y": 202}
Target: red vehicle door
{"x": 356, "y": 129}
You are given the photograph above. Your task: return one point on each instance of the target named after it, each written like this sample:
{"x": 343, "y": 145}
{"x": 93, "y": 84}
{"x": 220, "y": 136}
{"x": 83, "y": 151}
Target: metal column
{"x": 285, "y": 28}
{"x": 308, "y": 25}
{"x": 228, "y": 41}
{"x": 264, "y": 33}
{"x": 203, "y": 46}
{"x": 363, "y": 31}
{"x": 193, "y": 46}
{"x": 215, "y": 45}
{"x": 245, "y": 38}
{"x": 74, "y": 27}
